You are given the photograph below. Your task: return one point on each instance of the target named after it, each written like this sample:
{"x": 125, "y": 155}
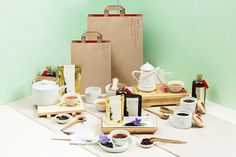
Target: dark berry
{"x": 107, "y": 144}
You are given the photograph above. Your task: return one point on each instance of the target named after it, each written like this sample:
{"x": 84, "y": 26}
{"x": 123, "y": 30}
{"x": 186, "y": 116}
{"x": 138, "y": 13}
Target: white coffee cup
{"x": 188, "y": 103}
{"x": 91, "y": 94}
{"x": 182, "y": 119}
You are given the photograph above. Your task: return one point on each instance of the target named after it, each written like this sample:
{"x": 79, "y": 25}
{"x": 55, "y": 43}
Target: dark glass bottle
{"x": 121, "y": 90}
{"x": 50, "y": 72}
{"x": 199, "y": 89}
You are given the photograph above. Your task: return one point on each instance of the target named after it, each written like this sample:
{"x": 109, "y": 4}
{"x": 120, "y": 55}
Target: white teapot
{"x": 147, "y": 78}
{"x": 46, "y": 93}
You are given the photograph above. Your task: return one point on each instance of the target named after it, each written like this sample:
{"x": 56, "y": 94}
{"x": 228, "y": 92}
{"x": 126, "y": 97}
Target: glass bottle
{"x": 121, "y": 90}
{"x": 199, "y": 89}
{"x": 50, "y": 72}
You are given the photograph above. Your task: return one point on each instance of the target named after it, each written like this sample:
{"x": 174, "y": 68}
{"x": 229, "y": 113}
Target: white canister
{"x": 188, "y": 103}
{"x": 182, "y": 119}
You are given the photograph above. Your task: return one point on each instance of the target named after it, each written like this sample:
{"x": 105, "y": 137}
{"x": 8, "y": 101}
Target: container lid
{"x": 199, "y": 76}
{"x": 147, "y": 67}
{"x": 44, "y": 85}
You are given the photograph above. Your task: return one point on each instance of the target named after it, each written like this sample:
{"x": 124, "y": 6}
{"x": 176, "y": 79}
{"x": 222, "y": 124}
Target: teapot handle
{"x": 133, "y": 74}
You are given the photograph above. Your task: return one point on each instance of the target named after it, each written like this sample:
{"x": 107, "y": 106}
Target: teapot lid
{"x": 44, "y": 85}
{"x": 147, "y": 67}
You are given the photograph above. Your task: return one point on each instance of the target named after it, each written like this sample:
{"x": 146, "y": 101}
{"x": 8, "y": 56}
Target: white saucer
{"x": 117, "y": 149}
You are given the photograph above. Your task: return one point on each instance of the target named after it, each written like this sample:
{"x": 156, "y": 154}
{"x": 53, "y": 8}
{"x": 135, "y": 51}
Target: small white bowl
{"x": 144, "y": 146}
{"x": 100, "y": 106}
{"x": 60, "y": 121}
{"x": 71, "y": 100}
{"x": 175, "y": 86}
{"x": 119, "y": 141}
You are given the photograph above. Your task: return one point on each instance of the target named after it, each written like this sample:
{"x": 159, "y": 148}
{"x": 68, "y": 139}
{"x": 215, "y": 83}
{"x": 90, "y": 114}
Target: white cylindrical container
{"x": 188, "y": 103}
{"x": 182, "y": 119}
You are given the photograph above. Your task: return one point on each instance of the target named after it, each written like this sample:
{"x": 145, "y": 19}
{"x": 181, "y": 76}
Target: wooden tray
{"x": 56, "y": 109}
{"x": 158, "y": 97}
{"x": 150, "y": 127}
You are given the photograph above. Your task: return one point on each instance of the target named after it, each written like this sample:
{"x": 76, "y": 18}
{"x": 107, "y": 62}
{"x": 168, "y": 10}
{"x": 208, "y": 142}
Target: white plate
{"x": 117, "y": 149}
{"x": 144, "y": 146}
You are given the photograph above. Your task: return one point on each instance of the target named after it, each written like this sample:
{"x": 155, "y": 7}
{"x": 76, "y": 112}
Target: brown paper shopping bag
{"x": 94, "y": 56}
{"x": 126, "y": 34}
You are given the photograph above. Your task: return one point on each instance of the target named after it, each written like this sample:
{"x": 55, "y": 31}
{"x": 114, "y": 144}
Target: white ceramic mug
{"x": 91, "y": 94}
{"x": 188, "y": 103}
{"x": 162, "y": 76}
{"x": 182, "y": 119}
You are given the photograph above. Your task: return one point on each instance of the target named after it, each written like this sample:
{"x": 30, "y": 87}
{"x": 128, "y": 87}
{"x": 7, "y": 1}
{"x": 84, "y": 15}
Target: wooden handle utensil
{"x": 114, "y": 86}
{"x": 155, "y": 139}
{"x": 161, "y": 115}
{"x": 78, "y": 120}
{"x": 166, "y": 110}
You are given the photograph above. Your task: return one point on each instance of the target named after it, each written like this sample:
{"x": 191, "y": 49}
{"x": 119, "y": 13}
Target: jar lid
{"x": 44, "y": 85}
{"x": 199, "y": 76}
{"x": 147, "y": 67}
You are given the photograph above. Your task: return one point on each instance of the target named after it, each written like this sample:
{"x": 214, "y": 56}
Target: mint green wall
{"x": 185, "y": 37}
{"x": 192, "y": 36}
{"x": 35, "y": 33}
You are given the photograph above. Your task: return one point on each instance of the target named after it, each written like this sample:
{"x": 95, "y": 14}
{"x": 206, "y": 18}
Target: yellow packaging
{"x": 61, "y": 76}
{"x": 115, "y": 110}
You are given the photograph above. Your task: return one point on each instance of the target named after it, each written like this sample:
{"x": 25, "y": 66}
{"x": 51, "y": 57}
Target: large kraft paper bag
{"x": 126, "y": 34}
{"x": 94, "y": 56}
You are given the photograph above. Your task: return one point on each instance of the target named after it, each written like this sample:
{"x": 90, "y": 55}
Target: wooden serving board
{"x": 158, "y": 97}
{"x": 56, "y": 109}
{"x": 150, "y": 127}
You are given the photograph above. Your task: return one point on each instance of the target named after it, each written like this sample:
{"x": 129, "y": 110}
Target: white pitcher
{"x": 147, "y": 77}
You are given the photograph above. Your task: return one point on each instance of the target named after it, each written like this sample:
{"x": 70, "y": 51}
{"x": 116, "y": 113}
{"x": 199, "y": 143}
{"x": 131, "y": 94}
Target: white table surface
{"x": 22, "y": 137}
{"x": 25, "y": 107}
{"x": 215, "y": 139}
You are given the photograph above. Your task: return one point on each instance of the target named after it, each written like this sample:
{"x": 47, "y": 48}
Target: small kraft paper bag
{"x": 94, "y": 57}
{"x": 125, "y": 31}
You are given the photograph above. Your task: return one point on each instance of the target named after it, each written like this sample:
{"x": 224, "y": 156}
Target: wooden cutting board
{"x": 158, "y": 97}
{"x": 150, "y": 128}
{"x": 56, "y": 109}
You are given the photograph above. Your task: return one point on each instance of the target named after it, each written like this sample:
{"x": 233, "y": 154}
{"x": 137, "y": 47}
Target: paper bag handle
{"x": 94, "y": 33}
{"x": 114, "y": 7}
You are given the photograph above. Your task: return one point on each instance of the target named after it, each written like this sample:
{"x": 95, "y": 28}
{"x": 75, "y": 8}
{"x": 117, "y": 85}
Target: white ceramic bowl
{"x": 119, "y": 141}
{"x": 101, "y": 107}
{"x": 175, "y": 85}
{"x": 62, "y": 121}
{"x": 111, "y": 92}
{"x": 71, "y": 99}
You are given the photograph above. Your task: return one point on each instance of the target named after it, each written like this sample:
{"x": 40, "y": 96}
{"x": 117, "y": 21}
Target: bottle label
{"x": 200, "y": 93}
{"x": 132, "y": 106}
